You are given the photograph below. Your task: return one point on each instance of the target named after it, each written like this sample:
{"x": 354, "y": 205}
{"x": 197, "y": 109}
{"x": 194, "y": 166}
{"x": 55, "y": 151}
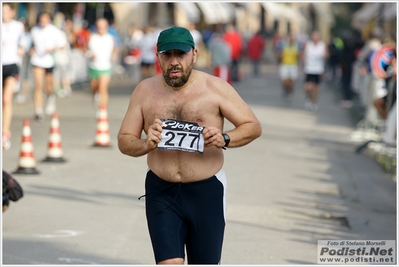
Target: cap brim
{"x": 174, "y": 46}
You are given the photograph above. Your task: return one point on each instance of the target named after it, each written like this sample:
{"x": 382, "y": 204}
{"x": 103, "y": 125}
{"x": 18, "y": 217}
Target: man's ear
{"x": 195, "y": 54}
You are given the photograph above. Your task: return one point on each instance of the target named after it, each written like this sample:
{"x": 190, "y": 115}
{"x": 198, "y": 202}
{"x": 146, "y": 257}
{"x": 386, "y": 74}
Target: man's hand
{"x": 21, "y": 51}
{"x": 363, "y": 71}
{"x": 154, "y": 135}
{"x": 213, "y": 137}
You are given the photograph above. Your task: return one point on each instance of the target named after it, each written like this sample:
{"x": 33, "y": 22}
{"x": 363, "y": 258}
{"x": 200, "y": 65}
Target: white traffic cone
{"x": 27, "y": 162}
{"x": 103, "y": 138}
{"x": 54, "y": 151}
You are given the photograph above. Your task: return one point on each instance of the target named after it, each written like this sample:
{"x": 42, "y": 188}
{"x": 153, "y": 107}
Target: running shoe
{"x": 345, "y": 104}
{"x": 96, "y": 99}
{"x": 50, "y": 106}
{"x": 314, "y": 107}
{"x": 67, "y": 91}
{"x": 39, "y": 117}
{"x": 6, "y": 140}
{"x": 308, "y": 105}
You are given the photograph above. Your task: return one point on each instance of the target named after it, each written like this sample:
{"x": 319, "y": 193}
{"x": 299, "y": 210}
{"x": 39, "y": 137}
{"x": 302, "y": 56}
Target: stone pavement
{"x": 298, "y": 183}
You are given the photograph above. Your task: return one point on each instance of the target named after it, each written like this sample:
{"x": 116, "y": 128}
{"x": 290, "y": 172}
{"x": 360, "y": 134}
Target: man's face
{"x": 102, "y": 26}
{"x": 44, "y": 20}
{"x": 176, "y": 66}
{"x": 8, "y": 13}
{"x": 315, "y": 36}
{"x": 291, "y": 38}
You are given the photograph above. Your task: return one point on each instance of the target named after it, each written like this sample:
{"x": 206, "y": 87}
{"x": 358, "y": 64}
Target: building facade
{"x": 248, "y": 17}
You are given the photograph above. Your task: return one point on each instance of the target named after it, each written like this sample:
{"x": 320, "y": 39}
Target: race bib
{"x": 181, "y": 135}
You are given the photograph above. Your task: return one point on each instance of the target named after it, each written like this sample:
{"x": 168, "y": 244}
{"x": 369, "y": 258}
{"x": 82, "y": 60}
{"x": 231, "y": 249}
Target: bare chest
{"x": 198, "y": 107}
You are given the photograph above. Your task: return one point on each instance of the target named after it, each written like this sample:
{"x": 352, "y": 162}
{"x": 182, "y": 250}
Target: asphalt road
{"x": 298, "y": 183}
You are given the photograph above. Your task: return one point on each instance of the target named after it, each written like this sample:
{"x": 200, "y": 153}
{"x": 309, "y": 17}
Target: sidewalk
{"x": 363, "y": 132}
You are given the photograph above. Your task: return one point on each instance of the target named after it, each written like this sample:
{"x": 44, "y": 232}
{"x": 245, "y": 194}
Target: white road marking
{"x": 75, "y": 261}
{"x": 61, "y": 234}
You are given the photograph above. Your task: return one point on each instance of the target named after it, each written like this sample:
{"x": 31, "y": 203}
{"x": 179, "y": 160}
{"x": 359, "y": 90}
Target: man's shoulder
{"x": 52, "y": 27}
{"x": 35, "y": 29}
{"x": 109, "y": 37}
{"x": 151, "y": 83}
{"x": 210, "y": 81}
{"x": 202, "y": 75}
{"x": 17, "y": 23}
{"x": 17, "y": 26}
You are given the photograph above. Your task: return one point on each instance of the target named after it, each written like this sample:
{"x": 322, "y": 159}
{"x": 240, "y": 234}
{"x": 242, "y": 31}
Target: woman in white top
{"x": 46, "y": 39}
{"x": 314, "y": 55}
{"x": 12, "y": 50}
{"x": 102, "y": 51}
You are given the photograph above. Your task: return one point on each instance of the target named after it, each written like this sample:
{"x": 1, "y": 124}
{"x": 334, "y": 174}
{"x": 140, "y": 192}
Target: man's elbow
{"x": 122, "y": 146}
{"x": 126, "y": 151}
{"x": 257, "y": 131}
{"x": 254, "y": 131}
{"x": 127, "y": 147}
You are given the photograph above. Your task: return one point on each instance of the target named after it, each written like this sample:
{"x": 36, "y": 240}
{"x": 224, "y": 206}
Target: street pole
{"x": 380, "y": 19}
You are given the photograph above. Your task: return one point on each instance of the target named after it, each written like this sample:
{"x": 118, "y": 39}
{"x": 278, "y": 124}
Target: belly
{"x": 180, "y": 166}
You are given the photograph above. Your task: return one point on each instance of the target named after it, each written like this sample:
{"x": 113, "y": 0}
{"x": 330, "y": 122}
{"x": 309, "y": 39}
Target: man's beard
{"x": 177, "y": 81}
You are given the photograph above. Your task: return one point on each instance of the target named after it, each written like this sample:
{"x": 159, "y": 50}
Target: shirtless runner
{"x": 182, "y": 114}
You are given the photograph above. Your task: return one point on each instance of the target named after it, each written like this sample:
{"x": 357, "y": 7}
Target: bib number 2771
{"x": 181, "y": 135}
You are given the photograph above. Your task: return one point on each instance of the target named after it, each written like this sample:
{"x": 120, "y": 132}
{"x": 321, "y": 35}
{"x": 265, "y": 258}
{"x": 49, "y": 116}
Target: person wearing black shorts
{"x": 314, "y": 54}
{"x": 46, "y": 39}
{"x": 182, "y": 113}
{"x": 192, "y": 213}
{"x": 313, "y": 78}
{"x": 12, "y": 50}
{"x": 147, "y": 46}
{"x": 10, "y": 71}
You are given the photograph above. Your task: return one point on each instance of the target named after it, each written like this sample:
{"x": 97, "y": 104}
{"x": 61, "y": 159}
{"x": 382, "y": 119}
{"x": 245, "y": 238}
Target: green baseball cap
{"x": 175, "y": 38}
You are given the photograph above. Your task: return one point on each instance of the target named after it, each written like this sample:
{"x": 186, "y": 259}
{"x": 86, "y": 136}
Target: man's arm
{"x": 326, "y": 52}
{"x": 279, "y": 52}
{"x": 21, "y": 42}
{"x": 302, "y": 53}
{"x": 129, "y": 137}
{"x": 115, "y": 50}
{"x": 234, "y": 109}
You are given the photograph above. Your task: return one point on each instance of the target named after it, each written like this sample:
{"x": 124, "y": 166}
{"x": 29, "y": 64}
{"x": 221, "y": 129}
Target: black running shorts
{"x": 11, "y": 70}
{"x": 47, "y": 70}
{"x": 186, "y": 214}
{"x": 313, "y": 78}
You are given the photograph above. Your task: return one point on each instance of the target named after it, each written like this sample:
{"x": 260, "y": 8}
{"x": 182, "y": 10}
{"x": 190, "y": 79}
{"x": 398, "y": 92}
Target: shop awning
{"x": 281, "y": 11}
{"x": 292, "y": 15}
{"x": 251, "y": 8}
{"x": 371, "y": 11}
{"x": 192, "y": 11}
{"x": 273, "y": 10}
{"x": 390, "y": 10}
{"x": 323, "y": 12}
{"x": 216, "y": 12}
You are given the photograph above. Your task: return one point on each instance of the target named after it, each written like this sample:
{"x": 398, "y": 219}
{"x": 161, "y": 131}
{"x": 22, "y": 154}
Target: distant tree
{"x": 343, "y": 15}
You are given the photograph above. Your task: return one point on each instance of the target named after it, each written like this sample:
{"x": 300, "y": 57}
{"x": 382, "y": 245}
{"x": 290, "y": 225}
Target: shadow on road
{"x": 50, "y": 252}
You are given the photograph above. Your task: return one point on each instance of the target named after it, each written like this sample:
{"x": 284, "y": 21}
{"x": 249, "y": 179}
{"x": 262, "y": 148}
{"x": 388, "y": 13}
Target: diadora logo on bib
{"x": 182, "y": 125}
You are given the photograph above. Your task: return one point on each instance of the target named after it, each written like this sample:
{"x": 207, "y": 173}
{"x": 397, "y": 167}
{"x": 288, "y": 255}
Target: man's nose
{"x": 174, "y": 59}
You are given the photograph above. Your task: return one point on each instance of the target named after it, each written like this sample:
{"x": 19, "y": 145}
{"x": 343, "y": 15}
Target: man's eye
{"x": 174, "y": 53}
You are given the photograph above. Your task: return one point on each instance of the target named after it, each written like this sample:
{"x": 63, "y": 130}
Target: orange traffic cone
{"x": 54, "y": 152}
{"x": 102, "y": 136}
{"x": 27, "y": 163}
